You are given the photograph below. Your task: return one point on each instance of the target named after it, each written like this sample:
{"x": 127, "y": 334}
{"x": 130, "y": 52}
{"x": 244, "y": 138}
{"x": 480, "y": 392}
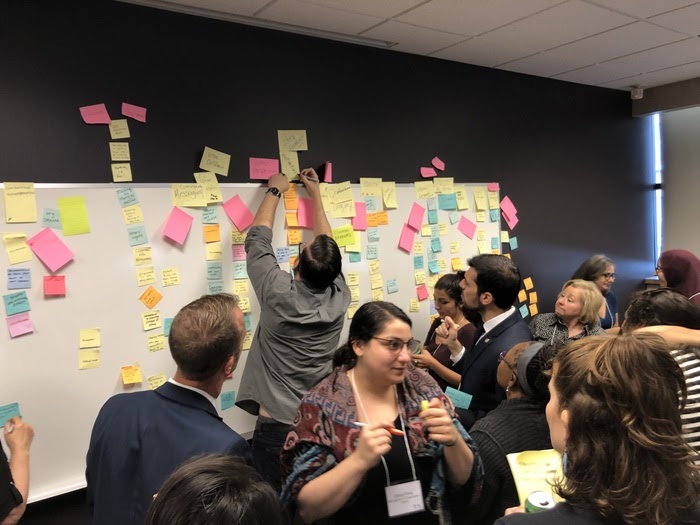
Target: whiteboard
{"x": 40, "y": 370}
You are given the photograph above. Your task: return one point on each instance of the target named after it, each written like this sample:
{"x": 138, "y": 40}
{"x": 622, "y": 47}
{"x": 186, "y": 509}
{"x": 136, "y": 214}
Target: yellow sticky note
{"x": 151, "y": 320}
{"x": 352, "y": 309}
{"x": 247, "y": 341}
{"x": 211, "y": 233}
{"x": 119, "y": 151}
{"x": 480, "y": 198}
{"x": 425, "y": 230}
{"x": 455, "y": 247}
{"x": 376, "y": 281}
{"x": 389, "y": 195}
{"x": 481, "y": 245}
{"x": 420, "y": 277}
{"x": 444, "y": 185}
{"x": 20, "y": 202}
{"x": 418, "y": 248}
{"x": 370, "y": 187}
{"x": 493, "y": 200}
{"x": 88, "y": 359}
{"x": 341, "y": 192}
{"x": 215, "y": 161}
{"x": 214, "y": 251}
{"x": 325, "y": 198}
{"x": 505, "y": 238}
{"x": 170, "y": 277}
{"x": 462, "y": 198}
{"x": 244, "y": 304}
{"x": 132, "y": 214}
{"x": 522, "y": 296}
{"x": 240, "y": 287}
{"x": 344, "y": 210}
{"x": 378, "y": 295}
{"x": 292, "y": 219}
{"x": 291, "y": 198}
{"x": 90, "y": 338}
{"x": 413, "y": 305}
{"x": 294, "y": 236}
{"x": 356, "y": 246}
{"x": 16, "y": 247}
{"x": 480, "y": 235}
{"x": 119, "y": 129}
{"x": 237, "y": 237}
{"x": 212, "y": 191}
{"x": 156, "y": 380}
{"x": 374, "y": 267}
{"x": 150, "y": 297}
{"x": 527, "y": 282}
{"x": 121, "y": 172}
{"x": 142, "y": 256}
{"x": 145, "y": 276}
{"x": 443, "y": 229}
{"x": 74, "y": 217}
{"x": 292, "y": 140}
{"x": 188, "y": 195}
{"x": 354, "y": 293}
{"x": 480, "y": 216}
{"x": 156, "y": 342}
{"x": 442, "y": 265}
{"x": 344, "y": 235}
{"x": 533, "y": 310}
{"x": 533, "y": 297}
{"x": 424, "y": 189}
{"x": 289, "y": 164}
{"x": 456, "y": 264}
{"x": 353, "y": 278}
{"x": 131, "y": 374}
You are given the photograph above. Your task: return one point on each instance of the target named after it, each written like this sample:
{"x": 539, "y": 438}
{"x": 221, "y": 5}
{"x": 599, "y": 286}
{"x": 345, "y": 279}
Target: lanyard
{"x": 403, "y": 427}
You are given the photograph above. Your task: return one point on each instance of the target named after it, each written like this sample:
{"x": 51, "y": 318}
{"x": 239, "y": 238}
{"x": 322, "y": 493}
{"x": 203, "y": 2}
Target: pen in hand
{"x": 392, "y": 430}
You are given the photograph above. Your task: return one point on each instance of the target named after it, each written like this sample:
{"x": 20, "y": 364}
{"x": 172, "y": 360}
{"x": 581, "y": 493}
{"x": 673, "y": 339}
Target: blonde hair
{"x": 591, "y": 299}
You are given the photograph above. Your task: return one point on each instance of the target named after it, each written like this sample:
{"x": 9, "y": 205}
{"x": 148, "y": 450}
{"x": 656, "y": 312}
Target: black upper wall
{"x": 571, "y": 157}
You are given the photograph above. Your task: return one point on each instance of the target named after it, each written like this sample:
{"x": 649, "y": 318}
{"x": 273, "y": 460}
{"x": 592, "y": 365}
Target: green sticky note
{"x": 459, "y": 398}
{"x": 228, "y": 400}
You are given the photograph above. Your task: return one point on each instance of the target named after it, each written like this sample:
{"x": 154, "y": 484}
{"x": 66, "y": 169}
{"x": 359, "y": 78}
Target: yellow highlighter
{"x": 424, "y": 405}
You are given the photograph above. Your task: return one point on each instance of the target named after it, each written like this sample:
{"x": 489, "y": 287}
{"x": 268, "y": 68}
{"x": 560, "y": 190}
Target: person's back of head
{"x": 320, "y": 262}
{"x": 681, "y": 270}
{"x": 661, "y": 306}
{"x": 533, "y": 362}
{"x": 215, "y": 489}
{"x": 593, "y": 267}
{"x": 627, "y": 455}
{"x": 204, "y": 335}
{"x": 497, "y": 275}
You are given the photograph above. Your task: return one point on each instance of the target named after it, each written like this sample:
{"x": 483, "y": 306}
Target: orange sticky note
{"x": 533, "y": 297}
{"x": 293, "y": 236}
{"x": 131, "y": 374}
{"x": 292, "y": 220}
{"x": 291, "y": 199}
{"x": 528, "y": 283}
{"x": 212, "y": 233}
{"x": 372, "y": 220}
{"x": 150, "y": 297}
{"x": 533, "y": 310}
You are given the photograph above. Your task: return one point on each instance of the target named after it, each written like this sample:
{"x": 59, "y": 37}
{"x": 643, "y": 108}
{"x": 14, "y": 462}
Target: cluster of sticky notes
{"x": 509, "y": 212}
{"x": 17, "y": 312}
{"x": 528, "y": 296}
{"x": 291, "y": 141}
{"x": 429, "y": 171}
{"x": 89, "y": 348}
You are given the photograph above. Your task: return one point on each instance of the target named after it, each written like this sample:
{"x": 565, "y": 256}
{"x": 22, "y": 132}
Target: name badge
{"x": 405, "y": 498}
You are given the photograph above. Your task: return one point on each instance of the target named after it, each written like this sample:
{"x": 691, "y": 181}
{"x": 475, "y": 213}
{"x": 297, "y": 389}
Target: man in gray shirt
{"x": 301, "y": 317}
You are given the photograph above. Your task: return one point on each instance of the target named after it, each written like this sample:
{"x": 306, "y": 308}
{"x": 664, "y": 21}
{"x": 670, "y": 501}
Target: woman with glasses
{"x": 364, "y": 448}
{"x": 575, "y": 315}
{"x": 517, "y": 424}
{"x": 680, "y": 270}
{"x": 600, "y": 270}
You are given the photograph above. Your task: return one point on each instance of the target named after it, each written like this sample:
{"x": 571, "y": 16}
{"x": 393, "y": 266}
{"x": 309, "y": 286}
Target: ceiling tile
{"x": 235, "y": 7}
{"x": 642, "y": 8}
{"x": 684, "y": 20}
{"x": 472, "y": 17}
{"x": 412, "y": 39}
{"x": 659, "y": 78}
{"x": 382, "y": 9}
{"x": 541, "y": 64}
{"x": 674, "y": 54}
{"x": 303, "y": 14}
{"x": 480, "y": 52}
{"x": 590, "y": 75}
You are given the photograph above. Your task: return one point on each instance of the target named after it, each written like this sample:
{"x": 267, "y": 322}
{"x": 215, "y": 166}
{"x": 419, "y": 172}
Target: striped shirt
{"x": 688, "y": 360}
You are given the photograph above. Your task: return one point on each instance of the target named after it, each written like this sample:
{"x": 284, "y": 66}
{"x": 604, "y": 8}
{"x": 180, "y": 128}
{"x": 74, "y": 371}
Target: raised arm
{"x": 18, "y": 436}
{"x": 675, "y": 335}
{"x": 311, "y": 182}
{"x": 265, "y": 215}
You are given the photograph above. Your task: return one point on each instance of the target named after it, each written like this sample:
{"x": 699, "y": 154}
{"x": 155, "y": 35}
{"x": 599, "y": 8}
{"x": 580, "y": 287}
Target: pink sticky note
{"x": 263, "y": 169}
{"x": 359, "y": 221}
{"x": 178, "y": 225}
{"x": 50, "y": 249}
{"x": 493, "y": 186}
{"x": 135, "y": 112}
{"x": 508, "y": 208}
{"x": 426, "y": 173}
{"x": 466, "y": 226}
{"x": 422, "y": 292}
{"x": 238, "y": 212}
{"x": 511, "y": 221}
{"x": 19, "y": 324}
{"x": 328, "y": 172}
{"x": 95, "y": 114}
{"x": 406, "y": 239}
{"x": 415, "y": 218}
{"x": 238, "y": 252}
{"x": 305, "y": 212}
{"x": 438, "y": 163}
{"x": 54, "y": 285}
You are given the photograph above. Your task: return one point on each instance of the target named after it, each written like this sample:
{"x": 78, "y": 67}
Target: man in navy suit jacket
{"x": 490, "y": 287}
{"x": 139, "y": 439}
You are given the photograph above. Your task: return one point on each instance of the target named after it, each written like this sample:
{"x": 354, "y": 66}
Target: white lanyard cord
{"x": 351, "y": 373}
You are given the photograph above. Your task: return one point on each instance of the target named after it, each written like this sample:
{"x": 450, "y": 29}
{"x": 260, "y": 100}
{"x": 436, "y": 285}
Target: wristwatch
{"x": 277, "y": 193}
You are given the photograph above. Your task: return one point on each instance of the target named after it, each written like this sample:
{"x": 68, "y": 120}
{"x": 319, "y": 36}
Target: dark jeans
{"x": 268, "y": 440}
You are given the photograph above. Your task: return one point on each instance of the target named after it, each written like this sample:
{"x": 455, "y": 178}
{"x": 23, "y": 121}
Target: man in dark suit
{"x": 139, "y": 439}
{"x": 490, "y": 287}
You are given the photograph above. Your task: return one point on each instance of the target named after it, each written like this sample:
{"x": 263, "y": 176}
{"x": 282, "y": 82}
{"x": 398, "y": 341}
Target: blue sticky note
{"x": 494, "y": 243}
{"x": 16, "y": 303}
{"x": 228, "y": 400}
{"x": 432, "y": 203}
{"x": 355, "y": 257}
{"x": 432, "y": 256}
{"x": 294, "y": 251}
{"x": 127, "y": 197}
{"x": 434, "y": 267}
{"x": 19, "y": 278}
{"x": 391, "y": 286}
{"x": 454, "y": 217}
{"x": 248, "y": 324}
{"x": 239, "y": 270}
{"x": 435, "y": 230}
{"x": 283, "y": 254}
{"x": 418, "y": 262}
{"x": 436, "y": 245}
{"x": 372, "y": 203}
{"x": 432, "y": 217}
{"x": 137, "y": 235}
{"x": 433, "y": 310}
{"x": 210, "y": 215}
{"x": 215, "y": 271}
{"x": 167, "y": 323}
{"x": 372, "y": 234}
{"x": 494, "y": 215}
{"x": 215, "y": 287}
{"x": 51, "y": 219}
{"x": 459, "y": 398}
{"x": 372, "y": 251}
{"x": 513, "y": 243}
{"x": 447, "y": 201}
{"x": 524, "y": 311}
{"x": 7, "y": 412}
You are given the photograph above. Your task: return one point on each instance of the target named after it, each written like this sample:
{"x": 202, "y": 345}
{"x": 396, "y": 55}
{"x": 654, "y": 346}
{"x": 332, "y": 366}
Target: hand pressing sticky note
{"x": 131, "y": 374}
{"x": 150, "y": 297}
{"x": 8, "y": 412}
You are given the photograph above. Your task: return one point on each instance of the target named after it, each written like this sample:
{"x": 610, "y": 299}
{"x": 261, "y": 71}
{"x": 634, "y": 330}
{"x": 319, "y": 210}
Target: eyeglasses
{"x": 659, "y": 269}
{"x": 609, "y": 275}
{"x": 396, "y": 345}
{"x": 502, "y": 357}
